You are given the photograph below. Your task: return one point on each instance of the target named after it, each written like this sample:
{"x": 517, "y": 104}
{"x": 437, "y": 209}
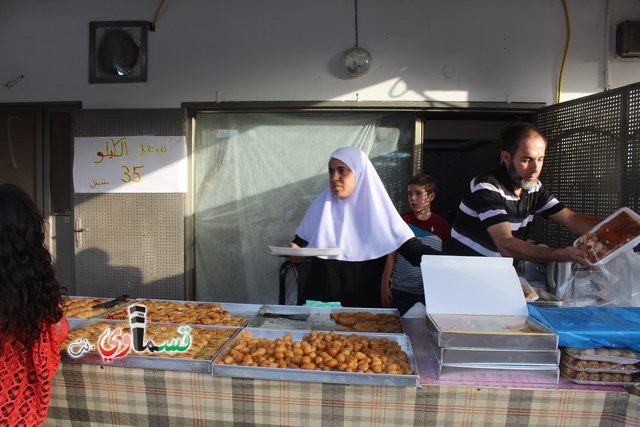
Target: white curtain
{"x": 255, "y": 174}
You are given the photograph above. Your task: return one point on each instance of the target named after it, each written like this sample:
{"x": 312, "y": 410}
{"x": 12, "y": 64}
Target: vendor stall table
{"x": 96, "y": 395}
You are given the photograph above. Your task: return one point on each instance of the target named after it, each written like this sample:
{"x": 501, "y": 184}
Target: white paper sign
{"x": 130, "y": 164}
{"x": 472, "y": 285}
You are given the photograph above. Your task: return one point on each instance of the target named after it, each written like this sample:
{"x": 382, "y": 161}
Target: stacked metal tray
{"x": 472, "y": 347}
{"x": 490, "y": 332}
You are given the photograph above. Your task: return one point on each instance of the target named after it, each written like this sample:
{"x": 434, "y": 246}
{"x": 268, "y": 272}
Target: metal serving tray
{"x": 319, "y": 318}
{"x": 493, "y": 373}
{"x": 501, "y": 357}
{"x": 140, "y": 361}
{"x": 547, "y": 299}
{"x": 489, "y": 332}
{"x": 315, "y": 376}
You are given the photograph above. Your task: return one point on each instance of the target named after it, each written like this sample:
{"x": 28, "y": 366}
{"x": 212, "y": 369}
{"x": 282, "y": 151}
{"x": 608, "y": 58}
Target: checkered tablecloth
{"x": 94, "y": 395}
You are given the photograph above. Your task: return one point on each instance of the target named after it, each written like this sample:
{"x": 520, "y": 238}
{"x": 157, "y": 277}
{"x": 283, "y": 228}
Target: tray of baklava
{"x": 79, "y": 308}
{"x": 188, "y": 312}
{"x": 168, "y": 346}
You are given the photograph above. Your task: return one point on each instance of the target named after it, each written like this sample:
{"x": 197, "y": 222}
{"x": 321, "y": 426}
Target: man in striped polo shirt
{"x": 497, "y": 209}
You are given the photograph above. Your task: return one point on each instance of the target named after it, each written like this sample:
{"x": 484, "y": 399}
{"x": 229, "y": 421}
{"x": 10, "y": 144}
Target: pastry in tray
{"x": 82, "y": 307}
{"x": 598, "y": 378}
{"x": 605, "y": 354}
{"x": 205, "y": 342}
{"x": 185, "y": 313}
{"x": 363, "y": 321}
{"x": 597, "y": 365}
{"x": 319, "y": 351}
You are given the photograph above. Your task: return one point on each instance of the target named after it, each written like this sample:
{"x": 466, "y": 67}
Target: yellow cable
{"x": 566, "y": 49}
{"x": 155, "y": 16}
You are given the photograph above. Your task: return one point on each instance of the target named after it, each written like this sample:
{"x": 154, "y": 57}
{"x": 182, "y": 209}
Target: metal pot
{"x": 557, "y": 274}
{"x": 549, "y": 275}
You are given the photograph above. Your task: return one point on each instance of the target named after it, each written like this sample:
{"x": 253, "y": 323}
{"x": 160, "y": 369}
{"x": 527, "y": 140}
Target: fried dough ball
{"x": 325, "y": 351}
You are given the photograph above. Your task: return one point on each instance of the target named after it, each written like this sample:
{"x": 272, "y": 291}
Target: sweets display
{"x": 215, "y": 338}
{"x": 186, "y": 313}
{"x": 325, "y": 351}
{"x": 204, "y": 342}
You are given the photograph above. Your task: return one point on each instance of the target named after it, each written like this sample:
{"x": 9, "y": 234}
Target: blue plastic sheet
{"x": 592, "y": 327}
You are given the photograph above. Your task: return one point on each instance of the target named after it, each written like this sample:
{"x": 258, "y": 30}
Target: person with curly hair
{"x": 32, "y": 324}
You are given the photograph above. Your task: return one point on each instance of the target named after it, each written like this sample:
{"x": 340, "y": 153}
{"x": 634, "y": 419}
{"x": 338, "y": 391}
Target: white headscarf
{"x": 366, "y": 225}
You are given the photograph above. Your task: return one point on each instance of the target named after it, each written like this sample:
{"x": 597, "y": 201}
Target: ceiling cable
{"x": 566, "y": 49}
{"x": 356, "y": 17}
{"x": 152, "y": 25}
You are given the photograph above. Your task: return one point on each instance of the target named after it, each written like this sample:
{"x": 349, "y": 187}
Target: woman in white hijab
{"x": 353, "y": 213}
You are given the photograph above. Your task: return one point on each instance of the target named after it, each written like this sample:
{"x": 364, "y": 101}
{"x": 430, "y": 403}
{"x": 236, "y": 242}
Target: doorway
{"x": 36, "y": 155}
{"x": 457, "y": 147}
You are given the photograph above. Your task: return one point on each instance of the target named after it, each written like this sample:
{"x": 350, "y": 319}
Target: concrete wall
{"x": 289, "y": 50}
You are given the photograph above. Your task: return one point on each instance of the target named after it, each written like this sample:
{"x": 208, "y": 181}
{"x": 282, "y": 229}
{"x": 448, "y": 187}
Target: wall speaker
{"x": 628, "y": 39}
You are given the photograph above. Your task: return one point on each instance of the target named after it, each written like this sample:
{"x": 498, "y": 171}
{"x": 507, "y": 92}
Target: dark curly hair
{"x": 30, "y": 294}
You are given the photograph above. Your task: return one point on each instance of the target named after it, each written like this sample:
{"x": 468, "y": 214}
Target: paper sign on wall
{"x": 133, "y": 164}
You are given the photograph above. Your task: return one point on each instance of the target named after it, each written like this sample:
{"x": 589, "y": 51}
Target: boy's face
{"x": 419, "y": 199}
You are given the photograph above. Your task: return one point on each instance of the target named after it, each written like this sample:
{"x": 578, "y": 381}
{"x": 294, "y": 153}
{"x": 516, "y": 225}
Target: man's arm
{"x": 574, "y": 221}
{"x": 510, "y": 246}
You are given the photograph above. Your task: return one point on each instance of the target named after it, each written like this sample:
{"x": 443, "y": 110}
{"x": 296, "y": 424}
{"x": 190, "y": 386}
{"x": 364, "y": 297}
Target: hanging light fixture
{"x": 356, "y": 61}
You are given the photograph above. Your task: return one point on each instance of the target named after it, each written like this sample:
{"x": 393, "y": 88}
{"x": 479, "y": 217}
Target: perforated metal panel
{"x": 631, "y": 183}
{"x": 592, "y": 158}
{"x": 130, "y": 243}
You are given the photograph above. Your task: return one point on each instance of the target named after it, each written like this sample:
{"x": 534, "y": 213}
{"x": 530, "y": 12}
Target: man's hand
{"x": 510, "y": 246}
{"x": 573, "y": 254}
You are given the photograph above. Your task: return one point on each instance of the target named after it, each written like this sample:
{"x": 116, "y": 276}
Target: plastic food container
{"x": 530, "y": 295}
{"x": 614, "y": 235}
{"x": 598, "y": 378}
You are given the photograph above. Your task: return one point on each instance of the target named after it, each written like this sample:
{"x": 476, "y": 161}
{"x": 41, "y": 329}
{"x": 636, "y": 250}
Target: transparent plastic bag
{"x": 615, "y": 284}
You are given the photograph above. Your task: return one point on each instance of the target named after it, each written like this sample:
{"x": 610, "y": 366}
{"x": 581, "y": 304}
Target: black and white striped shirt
{"x": 489, "y": 200}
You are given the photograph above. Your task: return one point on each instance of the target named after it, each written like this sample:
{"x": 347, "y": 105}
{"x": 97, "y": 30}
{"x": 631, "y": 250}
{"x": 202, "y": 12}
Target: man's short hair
{"x": 515, "y": 133}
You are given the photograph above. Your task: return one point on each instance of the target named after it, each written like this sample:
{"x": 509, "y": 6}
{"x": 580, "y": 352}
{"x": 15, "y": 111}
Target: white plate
{"x": 283, "y": 251}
